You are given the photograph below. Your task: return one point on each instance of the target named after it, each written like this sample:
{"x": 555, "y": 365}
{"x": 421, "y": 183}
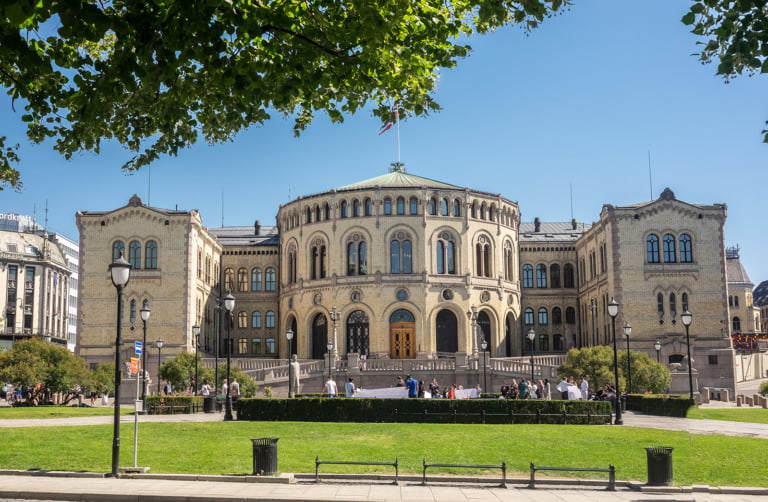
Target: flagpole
{"x": 397, "y": 122}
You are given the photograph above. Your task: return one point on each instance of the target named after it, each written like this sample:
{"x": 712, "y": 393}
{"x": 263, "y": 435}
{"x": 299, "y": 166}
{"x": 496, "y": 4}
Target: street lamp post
{"x": 289, "y": 337}
{"x": 472, "y": 316}
{"x": 484, "y": 345}
{"x": 144, "y": 318}
{"x": 159, "y": 345}
{"x": 229, "y": 304}
{"x": 330, "y": 354}
{"x": 687, "y": 318}
{"x": 532, "y": 338}
{"x": 120, "y": 272}
{"x": 627, "y": 332}
{"x": 196, "y": 335}
{"x": 334, "y": 315}
{"x": 657, "y": 346}
{"x": 613, "y": 311}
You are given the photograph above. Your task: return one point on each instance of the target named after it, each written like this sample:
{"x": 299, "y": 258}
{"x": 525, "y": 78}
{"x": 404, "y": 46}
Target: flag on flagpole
{"x": 394, "y": 118}
{"x": 386, "y": 127}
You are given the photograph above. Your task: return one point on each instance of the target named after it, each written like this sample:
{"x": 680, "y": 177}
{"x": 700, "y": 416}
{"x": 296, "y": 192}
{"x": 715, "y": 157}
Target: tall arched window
{"x": 229, "y": 279}
{"x": 387, "y": 206}
{"x": 557, "y": 316}
{"x": 318, "y": 214}
{"x": 509, "y": 261}
{"x": 400, "y": 205}
{"x": 554, "y": 275}
{"x": 132, "y": 312}
{"x": 134, "y": 254}
{"x": 269, "y": 279}
{"x": 413, "y": 205}
{"x": 457, "y": 208}
{"x": 309, "y": 215}
{"x": 256, "y": 279}
{"x": 543, "y": 317}
{"x": 684, "y": 302}
{"x": 736, "y": 325}
{"x": 445, "y": 254}
{"x": 432, "y": 206}
{"x": 570, "y": 315}
{"x": 368, "y": 207}
{"x": 527, "y": 275}
{"x": 541, "y": 275}
{"x": 357, "y": 260}
{"x": 483, "y": 257}
{"x": 660, "y": 305}
{"x": 400, "y": 254}
{"x": 242, "y": 280}
{"x": 356, "y": 208}
{"x": 444, "y": 207}
{"x": 242, "y": 319}
{"x": 528, "y": 316}
{"x": 317, "y": 260}
{"x": 669, "y": 249}
{"x": 327, "y": 211}
{"x": 344, "y": 209}
{"x": 568, "y": 276}
{"x": 686, "y": 249}
{"x": 672, "y": 305}
{"x": 292, "y": 266}
{"x": 256, "y": 319}
{"x": 473, "y": 210}
{"x": 269, "y": 319}
{"x": 118, "y": 250}
{"x": 652, "y": 248}
{"x": 150, "y": 255}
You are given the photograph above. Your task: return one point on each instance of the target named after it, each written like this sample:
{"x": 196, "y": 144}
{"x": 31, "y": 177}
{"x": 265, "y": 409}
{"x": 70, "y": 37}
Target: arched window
{"x": 150, "y": 255}
{"x": 318, "y": 214}
{"x": 652, "y": 248}
{"x": 269, "y": 277}
{"x": 686, "y": 249}
{"x": 368, "y": 207}
{"x": 492, "y": 213}
{"x": 132, "y": 312}
{"x": 509, "y": 261}
{"x": 242, "y": 319}
{"x": 229, "y": 279}
{"x": 736, "y": 325}
{"x": 256, "y": 319}
{"x": 457, "y": 208}
{"x": 541, "y": 275}
{"x": 445, "y": 254}
{"x": 318, "y": 260}
{"x": 543, "y": 318}
{"x": 660, "y": 305}
{"x": 528, "y": 316}
{"x": 672, "y": 306}
{"x": 568, "y": 276}
{"x": 387, "y": 206}
{"x": 444, "y": 207}
{"x": 557, "y": 316}
{"x": 483, "y": 208}
{"x": 356, "y": 208}
{"x": 473, "y": 210}
{"x": 543, "y": 342}
{"x": 483, "y": 257}
{"x": 554, "y": 275}
{"x": 357, "y": 261}
{"x": 309, "y": 215}
{"x": 269, "y": 319}
{"x": 344, "y": 209}
{"x": 118, "y": 250}
{"x": 400, "y": 254}
{"x": 527, "y": 276}
{"x": 256, "y": 279}
{"x": 400, "y": 205}
{"x": 413, "y": 205}
{"x": 669, "y": 249}
{"x": 242, "y": 280}
{"x": 134, "y": 254}
{"x": 292, "y": 266}
{"x": 570, "y": 315}
{"x": 327, "y": 211}
{"x": 432, "y": 206}
{"x": 684, "y": 302}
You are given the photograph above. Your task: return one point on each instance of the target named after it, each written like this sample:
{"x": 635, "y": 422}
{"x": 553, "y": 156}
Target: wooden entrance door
{"x": 402, "y": 340}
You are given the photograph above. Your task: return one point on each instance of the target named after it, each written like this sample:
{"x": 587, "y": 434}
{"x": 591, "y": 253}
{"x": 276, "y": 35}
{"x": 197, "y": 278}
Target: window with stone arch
{"x": 400, "y": 254}
{"x": 317, "y": 259}
{"x": 569, "y": 276}
{"x": 269, "y": 279}
{"x": 736, "y": 325}
{"x": 118, "y": 250}
{"x": 492, "y": 213}
{"x": 433, "y": 206}
{"x": 672, "y": 305}
{"x": 669, "y": 249}
{"x": 543, "y": 317}
{"x": 413, "y": 205}
{"x": 473, "y": 210}
{"x": 557, "y": 316}
{"x": 457, "y": 208}
{"x": 256, "y": 279}
{"x": 150, "y": 255}
{"x": 309, "y": 215}
{"x": 570, "y": 315}
{"x": 344, "y": 209}
{"x": 444, "y": 207}
{"x": 357, "y": 255}
{"x": 554, "y": 275}
{"x": 318, "y": 214}
{"x": 356, "y": 208}
{"x": 242, "y": 319}
{"x": 483, "y": 254}
{"x": 528, "y": 316}
{"x": 134, "y": 254}
{"x": 445, "y": 252}
{"x": 327, "y": 212}
{"x": 652, "y": 248}
{"x": 483, "y": 209}
{"x": 292, "y": 265}
{"x": 242, "y": 280}
{"x": 527, "y": 275}
{"x": 509, "y": 261}
{"x": 229, "y": 279}
{"x": 269, "y": 319}
{"x": 401, "y": 205}
{"x": 387, "y": 206}
{"x": 541, "y": 275}
{"x": 256, "y": 319}
{"x": 368, "y": 207}
{"x": 684, "y": 302}
{"x": 686, "y": 249}
{"x": 660, "y": 305}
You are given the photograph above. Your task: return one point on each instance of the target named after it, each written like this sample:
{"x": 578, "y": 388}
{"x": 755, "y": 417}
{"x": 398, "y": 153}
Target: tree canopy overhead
{"x": 156, "y": 76}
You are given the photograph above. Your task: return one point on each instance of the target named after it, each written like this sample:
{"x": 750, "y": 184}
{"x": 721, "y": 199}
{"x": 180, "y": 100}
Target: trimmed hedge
{"x": 161, "y": 405}
{"x": 664, "y": 405}
{"x": 496, "y": 411}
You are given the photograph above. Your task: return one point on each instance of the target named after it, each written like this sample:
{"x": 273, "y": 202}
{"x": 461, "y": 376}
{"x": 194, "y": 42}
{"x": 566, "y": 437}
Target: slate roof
{"x": 552, "y": 231}
{"x": 399, "y": 178}
{"x": 246, "y": 236}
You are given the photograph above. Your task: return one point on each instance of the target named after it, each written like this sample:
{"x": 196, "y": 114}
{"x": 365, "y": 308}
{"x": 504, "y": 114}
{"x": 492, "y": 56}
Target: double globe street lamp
{"x": 120, "y": 273}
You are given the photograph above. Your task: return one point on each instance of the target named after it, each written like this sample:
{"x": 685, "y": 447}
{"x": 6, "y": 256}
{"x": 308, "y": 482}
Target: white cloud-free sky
{"x": 583, "y": 101}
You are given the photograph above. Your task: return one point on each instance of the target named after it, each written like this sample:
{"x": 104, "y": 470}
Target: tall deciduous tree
{"x": 156, "y": 76}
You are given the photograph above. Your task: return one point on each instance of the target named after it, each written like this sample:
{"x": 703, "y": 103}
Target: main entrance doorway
{"x": 402, "y": 335}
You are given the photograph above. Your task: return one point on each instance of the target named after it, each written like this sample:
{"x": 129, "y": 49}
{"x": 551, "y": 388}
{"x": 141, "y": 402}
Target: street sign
{"x": 134, "y": 365}
{"x": 137, "y": 347}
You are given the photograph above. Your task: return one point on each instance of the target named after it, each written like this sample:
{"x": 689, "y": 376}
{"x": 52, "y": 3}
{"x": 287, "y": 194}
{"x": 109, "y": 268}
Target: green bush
{"x": 659, "y": 404}
{"x": 162, "y": 405}
{"x": 313, "y": 409}
{"x": 763, "y": 389}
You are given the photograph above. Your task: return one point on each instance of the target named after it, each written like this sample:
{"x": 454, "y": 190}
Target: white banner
{"x": 386, "y": 393}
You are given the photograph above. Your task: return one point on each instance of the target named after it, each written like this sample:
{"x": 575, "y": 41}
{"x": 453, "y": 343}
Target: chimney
{"x": 573, "y": 224}
{"x": 536, "y": 224}
{"x": 256, "y": 227}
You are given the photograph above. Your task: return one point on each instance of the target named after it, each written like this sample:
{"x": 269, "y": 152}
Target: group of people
{"x": 526, "y": 389}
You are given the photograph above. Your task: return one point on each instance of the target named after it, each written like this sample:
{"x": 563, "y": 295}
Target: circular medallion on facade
{"x": 317, "y": 298}
{"x": 447, "y": 294}
{"x": 486, "y": 296}
{"x": 356, "y": 296}
{"x": 402, "y": 295}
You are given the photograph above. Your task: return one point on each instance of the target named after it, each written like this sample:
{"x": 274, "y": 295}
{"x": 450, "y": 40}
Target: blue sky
{"x": 579, "y": 102}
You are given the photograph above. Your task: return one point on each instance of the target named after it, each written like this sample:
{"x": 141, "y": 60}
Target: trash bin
{"x": 209, "y": 404}
{"x": 265, "y": 456}
{"x": 659, "y": 465}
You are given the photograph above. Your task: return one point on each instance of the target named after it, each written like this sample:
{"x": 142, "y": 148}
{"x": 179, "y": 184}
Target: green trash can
{"x": 265, "y": 456}
{"x": 209, "y": 404}
{"x": 659, "y": 465}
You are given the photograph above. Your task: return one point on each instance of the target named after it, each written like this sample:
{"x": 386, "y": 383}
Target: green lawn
{"x": 31, "y": 412}
{"x": 753, "y": 415}
{"x": 225, "y": 448}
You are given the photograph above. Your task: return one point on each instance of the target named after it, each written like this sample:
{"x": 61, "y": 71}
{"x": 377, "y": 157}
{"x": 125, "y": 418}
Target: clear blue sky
{"x": 580, "y": 101}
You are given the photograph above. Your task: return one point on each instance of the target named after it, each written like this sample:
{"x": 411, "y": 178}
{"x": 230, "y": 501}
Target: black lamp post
{"x": 657, "y": 346}
{"x": 330, "y": 355}
{"x": 613, "y": 311}
{"x": 144, "y": 318}
{"x": 289, "y": 337}
{"x": 196, "y": 334}
{"x": 159, "y": 345}
{"x": 484, "y": 345}
{"x": 229, "y": 304}
{"x": 687, "y": 318}
{"x": 627, "y": 332}
{"x": 120, "y": 272}
{"x": 532, "y": 338}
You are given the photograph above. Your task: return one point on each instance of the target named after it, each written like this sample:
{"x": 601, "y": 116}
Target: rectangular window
{"x": 242, "y": 346}
{"x": 270, "y": 345}
{"x": 712, "y": 360}
{"x": 256, "y": 346}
